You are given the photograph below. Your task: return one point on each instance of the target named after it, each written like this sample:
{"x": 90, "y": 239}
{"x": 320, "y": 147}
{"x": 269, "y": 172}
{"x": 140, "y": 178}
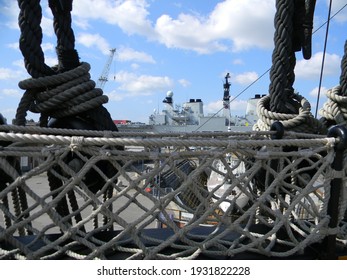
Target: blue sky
{"x": 184, "y": 46}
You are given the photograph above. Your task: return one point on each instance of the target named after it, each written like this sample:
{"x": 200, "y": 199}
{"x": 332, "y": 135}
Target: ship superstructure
{"x": 190, "y": 116}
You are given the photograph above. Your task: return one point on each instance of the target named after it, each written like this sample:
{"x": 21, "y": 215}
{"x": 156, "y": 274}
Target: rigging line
{"x": 323, "y": 59}
{"x": 337, "y": 12}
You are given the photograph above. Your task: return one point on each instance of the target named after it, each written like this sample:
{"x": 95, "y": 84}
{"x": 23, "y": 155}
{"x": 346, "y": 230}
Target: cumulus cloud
{"x": 8, "y": 74}
{"x": 238, "y": 61}
{"x": 244, "y": 78}
{"x": 94, "y": 40}
{"x": 232, "y": 25}
{"x": 11, "y": 92}
{"x": 184, "y": 82}
{"x": 10, "y": 10}
{"x": 185, "y": 32}
{"x": 314, "y": 92}
{"x": 246, "y": 23}
{"x": 310, "y": 69}
{"x": 129, "y": 54}
{"x": 238, "y": 107}
{"x": 139, "y": 85}
{"x": 130, "y": 16}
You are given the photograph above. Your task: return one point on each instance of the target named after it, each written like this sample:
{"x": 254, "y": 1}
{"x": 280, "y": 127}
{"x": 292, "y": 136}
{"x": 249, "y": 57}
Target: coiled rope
{"x": 335, "y": 110}
{"x": 293, "y": 31}
{"x": 63, "y": 90}
{"x": 64, "y": 93}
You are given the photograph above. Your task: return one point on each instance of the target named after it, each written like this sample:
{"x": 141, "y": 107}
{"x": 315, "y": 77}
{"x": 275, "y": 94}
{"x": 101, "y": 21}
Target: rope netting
{"x": 266, "y": 197}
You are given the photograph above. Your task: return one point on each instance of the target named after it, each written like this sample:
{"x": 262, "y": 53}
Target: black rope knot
{"x": 64, "y": 94}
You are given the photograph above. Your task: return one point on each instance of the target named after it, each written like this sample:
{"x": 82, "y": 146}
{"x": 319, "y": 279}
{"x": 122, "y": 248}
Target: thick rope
{"x": 293, "y": 30}
{"x": 283, "y": 59}
{"x": 65, "y": 93}
{"x": 61, "y": 91}
{"x": 334, "y": 111}
{"x": 301, "y": 122}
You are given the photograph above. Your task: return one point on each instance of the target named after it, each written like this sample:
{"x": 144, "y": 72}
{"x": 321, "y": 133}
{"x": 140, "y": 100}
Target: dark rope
{"x": 63, "y": 94}
{"x": 62, "y": 91}
{"x": 343, "y": 76}
{"x": 293, "y": 32}
{"x": 31, "y": 38}
{"x": 280, "y": 89}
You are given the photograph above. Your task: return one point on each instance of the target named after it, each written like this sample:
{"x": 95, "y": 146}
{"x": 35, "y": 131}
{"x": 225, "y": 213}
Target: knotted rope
{"x": 63, "y": 90}
{"x": 334, "y": 111}
{"x": 293, "y": 30}
{"x": 64, "y": 93}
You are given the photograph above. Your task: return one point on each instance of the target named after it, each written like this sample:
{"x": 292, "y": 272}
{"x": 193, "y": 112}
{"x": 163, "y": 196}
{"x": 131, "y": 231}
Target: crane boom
{"x": 103, "y": 77}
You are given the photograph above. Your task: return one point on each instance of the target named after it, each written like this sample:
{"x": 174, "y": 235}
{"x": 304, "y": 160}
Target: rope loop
{"x": 335, "y": 110}
{"x": 66, "y": 89}
{"x": 301, "y": 122}
{"x": 61, "y": 95}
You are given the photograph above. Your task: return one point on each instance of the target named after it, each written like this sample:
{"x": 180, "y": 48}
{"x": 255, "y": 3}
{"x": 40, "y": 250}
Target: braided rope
{"x": 70, "y": 93}
{"x": 301, "y": 122}
{"x": 293, "y": 22}
{"x": 283, "y": 59}
{"x": 334, "y": 111}
{"x": 61, "y": 91}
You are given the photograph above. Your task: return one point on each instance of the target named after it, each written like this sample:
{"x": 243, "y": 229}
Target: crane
{"x": 103, "y": 77}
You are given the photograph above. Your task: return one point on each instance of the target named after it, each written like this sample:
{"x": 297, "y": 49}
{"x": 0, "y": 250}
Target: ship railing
{"x": 70, "y": 194}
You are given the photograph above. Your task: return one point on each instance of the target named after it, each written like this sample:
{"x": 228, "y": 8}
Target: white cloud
{"x": 310, "y": 69}
{"x": 337, "y": 5}
{"x": 11, "y": 92}
{"x": 186, "y": 33}
{"x": 128, "y": 54}
{"x": 10, "y": 10}
{"x": 7, "y": 74}
{"x": 184, "y": 82}
{"x": 314, "y": 92}
{"x": 47, "y": 26}
{"x": 48, "y": 47}
{"x": 244, "y": 78}
{"x": 237, "y": 107}
{"x": 140, "y": 85}
{"x": 130, "y": 16}
{"x": 213, "y": 107}
{"x": 238, "y": 62}
{"x": 134, "y": 66}
{"x": 246, "y": 23}
{"x": 232, "y": 24}
{"x": 51, "y": 60}
{"x": 94, "y": 40}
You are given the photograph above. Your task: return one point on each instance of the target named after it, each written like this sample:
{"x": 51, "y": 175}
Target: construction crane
{"x": 103, "y": 77}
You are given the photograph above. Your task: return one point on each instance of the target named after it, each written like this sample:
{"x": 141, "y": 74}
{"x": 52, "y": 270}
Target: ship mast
{"x": 226, "y": 99}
